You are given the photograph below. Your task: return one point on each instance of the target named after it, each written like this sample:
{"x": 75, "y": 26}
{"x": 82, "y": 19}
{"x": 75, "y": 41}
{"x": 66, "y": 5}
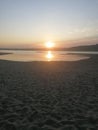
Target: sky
{"x": 31, "y": 23}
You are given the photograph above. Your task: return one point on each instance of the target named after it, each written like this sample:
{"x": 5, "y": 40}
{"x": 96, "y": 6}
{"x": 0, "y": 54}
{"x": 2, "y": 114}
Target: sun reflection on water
{"x": 49, "y": 55}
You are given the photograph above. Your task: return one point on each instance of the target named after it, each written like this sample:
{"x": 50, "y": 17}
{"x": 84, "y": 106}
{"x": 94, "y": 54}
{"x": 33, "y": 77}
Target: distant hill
{"x": 84, "y": 48}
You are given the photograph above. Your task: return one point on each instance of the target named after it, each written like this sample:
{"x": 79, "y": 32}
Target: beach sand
{"x": 49, "y": 95}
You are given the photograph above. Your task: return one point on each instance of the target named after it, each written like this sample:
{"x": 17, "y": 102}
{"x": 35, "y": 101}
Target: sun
{"x": 49, "y": 44}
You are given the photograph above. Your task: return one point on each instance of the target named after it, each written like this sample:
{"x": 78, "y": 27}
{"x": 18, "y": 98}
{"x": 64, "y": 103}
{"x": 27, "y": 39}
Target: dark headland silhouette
{"x": 85, "y": 48}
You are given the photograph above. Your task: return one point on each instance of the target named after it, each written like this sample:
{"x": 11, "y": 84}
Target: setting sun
{"x": 49, "y": 44}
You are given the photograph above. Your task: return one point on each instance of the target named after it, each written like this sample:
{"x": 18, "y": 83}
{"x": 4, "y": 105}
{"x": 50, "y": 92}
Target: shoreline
{"x": 1, "y": 53}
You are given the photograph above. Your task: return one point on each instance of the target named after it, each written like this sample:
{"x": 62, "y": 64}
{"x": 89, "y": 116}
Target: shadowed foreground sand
{"x": 49, "y": 95}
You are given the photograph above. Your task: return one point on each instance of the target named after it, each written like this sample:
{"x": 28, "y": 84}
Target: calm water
{"x": 44, "y": 55}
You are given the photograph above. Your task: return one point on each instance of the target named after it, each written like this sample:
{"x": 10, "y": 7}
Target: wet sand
{"x": 49, "y": 95}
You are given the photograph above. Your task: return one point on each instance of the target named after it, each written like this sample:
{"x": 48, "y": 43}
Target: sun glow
{"x": 49, "y": 44}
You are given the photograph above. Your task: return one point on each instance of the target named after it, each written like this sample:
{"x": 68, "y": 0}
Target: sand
{"x": 49, "y": 95}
